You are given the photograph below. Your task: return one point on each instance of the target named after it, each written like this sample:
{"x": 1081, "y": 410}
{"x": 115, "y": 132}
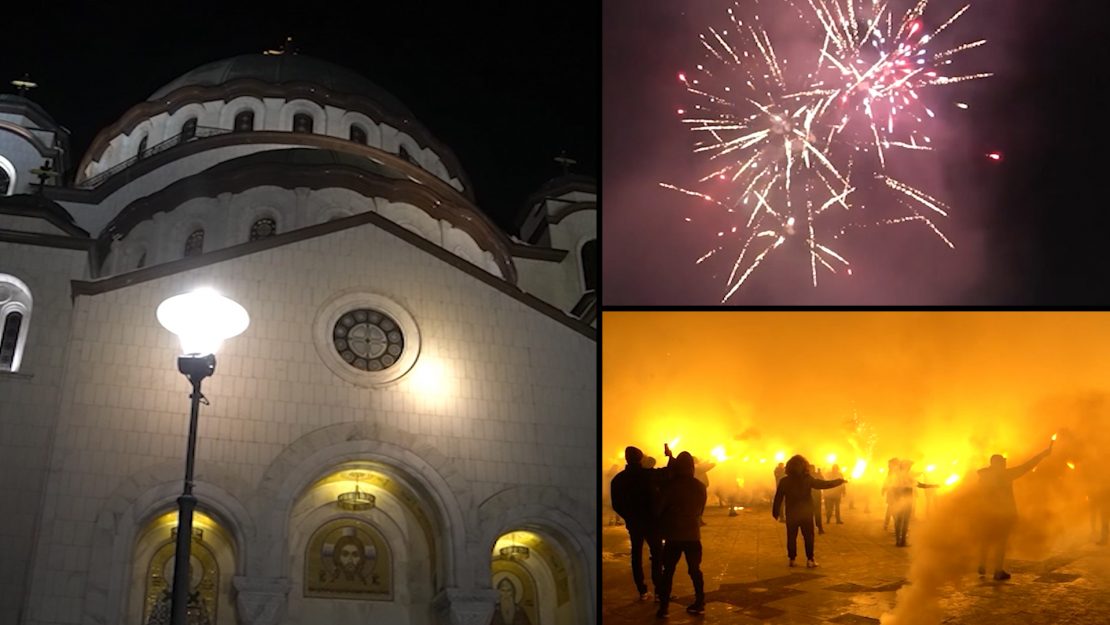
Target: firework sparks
{"x": 796, "y": 144}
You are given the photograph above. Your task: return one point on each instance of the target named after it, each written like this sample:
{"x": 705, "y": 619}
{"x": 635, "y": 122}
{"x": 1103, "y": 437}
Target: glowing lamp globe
{"x": 202, "y": 319}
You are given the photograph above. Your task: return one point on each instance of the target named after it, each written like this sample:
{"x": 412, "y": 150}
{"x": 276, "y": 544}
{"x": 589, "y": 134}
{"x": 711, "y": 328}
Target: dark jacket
{"x": 997, "y": 485}
{"x": 796, "y": 491}
{"x": 632, "y": 494}
{"x": 682, "y": 502}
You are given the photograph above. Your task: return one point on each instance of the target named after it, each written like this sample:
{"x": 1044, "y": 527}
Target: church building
{"x": 406, "y": 432}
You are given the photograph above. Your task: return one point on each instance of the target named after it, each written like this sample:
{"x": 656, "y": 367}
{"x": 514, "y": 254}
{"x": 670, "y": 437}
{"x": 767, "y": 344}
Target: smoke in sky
{"x": 651, "y": 249}
{"x": 943, "y": 389}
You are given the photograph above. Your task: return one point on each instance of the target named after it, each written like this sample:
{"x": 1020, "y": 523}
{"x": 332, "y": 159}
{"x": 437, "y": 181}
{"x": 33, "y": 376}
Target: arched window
{"x": 195, "y": 243}
{"x": 302, "y": 122}
{"x": 358, "y": 135}
{"x": 244, "y": 121}
{"x": 263, "y": 229}
{"x": 588, "y": 260}
{"x": 9, "y": 339}
{"x": 404, "y": 153}
{"x": 189, "y": 129}
{"x": 142, "y": 147}
{"x": 15, "y": 313}
{"x": 7, "y": 177}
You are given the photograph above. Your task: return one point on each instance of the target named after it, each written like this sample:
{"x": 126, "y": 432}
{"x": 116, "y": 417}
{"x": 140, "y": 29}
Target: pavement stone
{"x": 747, "y": 580}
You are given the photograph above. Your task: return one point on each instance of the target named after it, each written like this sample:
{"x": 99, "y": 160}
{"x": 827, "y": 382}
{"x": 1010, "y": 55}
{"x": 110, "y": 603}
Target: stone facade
{"x": 488, "y": 440}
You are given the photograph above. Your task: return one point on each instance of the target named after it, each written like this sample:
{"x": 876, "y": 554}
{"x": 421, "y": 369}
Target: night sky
{"x": 506, "y": 88}
{"x": 1031, "y": 229}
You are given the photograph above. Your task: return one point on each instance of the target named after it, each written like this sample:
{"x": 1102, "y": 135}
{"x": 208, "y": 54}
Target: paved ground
{"x": 747, "y": 580}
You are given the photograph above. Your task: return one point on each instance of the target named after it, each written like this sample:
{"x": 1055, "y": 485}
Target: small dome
{"x": 279, "y": 69}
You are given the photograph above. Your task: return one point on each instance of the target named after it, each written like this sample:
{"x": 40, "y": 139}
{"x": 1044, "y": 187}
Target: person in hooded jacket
{"x": 632, "y": 493}
{"x": 681, "y": 504}
{"x": 795, "y": 490}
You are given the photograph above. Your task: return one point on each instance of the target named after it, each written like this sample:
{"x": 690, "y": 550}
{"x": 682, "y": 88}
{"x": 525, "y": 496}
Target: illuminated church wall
{"x": 29, "y": 398}
{"x": 487, "y": 432}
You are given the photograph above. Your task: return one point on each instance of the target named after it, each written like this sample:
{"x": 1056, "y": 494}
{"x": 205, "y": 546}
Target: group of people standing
{"x": 662, "y": 507}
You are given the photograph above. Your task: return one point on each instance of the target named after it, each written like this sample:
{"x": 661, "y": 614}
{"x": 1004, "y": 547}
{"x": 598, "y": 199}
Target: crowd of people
{"x": 662, "y": 507}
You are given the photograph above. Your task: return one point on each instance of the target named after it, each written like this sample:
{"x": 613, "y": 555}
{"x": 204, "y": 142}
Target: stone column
{"x": 456, "y": 606}
{"x": 261, "y": 600}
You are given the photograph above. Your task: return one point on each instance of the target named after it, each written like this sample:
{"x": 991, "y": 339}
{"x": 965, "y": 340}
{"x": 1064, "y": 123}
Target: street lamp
{"x": 201, "y": 319}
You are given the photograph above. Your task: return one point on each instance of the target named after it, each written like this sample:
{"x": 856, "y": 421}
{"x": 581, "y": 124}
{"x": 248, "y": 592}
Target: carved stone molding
{"x": 456, "y": 606}
{"x": 261, "y": 600}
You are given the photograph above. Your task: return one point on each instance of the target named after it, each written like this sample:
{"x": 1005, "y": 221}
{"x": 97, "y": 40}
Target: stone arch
{"x": 7, "y": 187}
{"x": 16, "y": 305}
{"x": 410, "y": 145}
{"x": 176, "y": 120}
{"x": 261, "y": 203}
{"x": 292, "y": 107}
{"x": 413, "y": 219}
{"x": 141, "y": 131}
{"x": 354, "y": 118}
{"x": 197, "y": 215}
{"x": 135, "y": 502}
{"x": 421, "y": 467}
{"x": 580, "y": 262}
{"x": 131, "y": 253}
{"x": 554, "y": 514}
{"x": 238, "y": 105}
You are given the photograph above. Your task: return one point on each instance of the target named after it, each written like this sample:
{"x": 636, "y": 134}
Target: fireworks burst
{"x": 795, "y": 147}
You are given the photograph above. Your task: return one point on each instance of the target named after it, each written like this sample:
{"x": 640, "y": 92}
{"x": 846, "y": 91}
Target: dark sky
{"x": 507, "y": 86}
{"x": 1028, "y": 230}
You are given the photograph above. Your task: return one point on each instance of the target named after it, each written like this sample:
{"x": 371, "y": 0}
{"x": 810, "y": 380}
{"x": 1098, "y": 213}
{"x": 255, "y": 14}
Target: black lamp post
{"x": 202, "y": 319}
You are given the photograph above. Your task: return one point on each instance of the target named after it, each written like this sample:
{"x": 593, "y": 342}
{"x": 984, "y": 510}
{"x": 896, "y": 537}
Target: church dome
{"x": 279, "y": 69}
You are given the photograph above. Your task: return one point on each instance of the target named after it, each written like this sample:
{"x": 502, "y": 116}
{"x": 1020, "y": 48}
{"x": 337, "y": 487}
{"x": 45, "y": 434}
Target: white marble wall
{"x": 270, "y": 114}
{"x": 495, "y": 426}
{"x": 227, "y": 220}
{"x": 28, "y": 408}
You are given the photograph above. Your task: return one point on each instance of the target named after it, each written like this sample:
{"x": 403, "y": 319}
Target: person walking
{"x": 833, "y": 496}
{"x": 997, "y": 484}
{"x": 795, "y": 490}
{"x": 681, "y": 503}
{"x": 631, "y": 490}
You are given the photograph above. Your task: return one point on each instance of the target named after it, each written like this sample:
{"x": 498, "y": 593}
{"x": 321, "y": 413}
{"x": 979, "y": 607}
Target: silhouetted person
{"x": 997, "y": 484}
{"x": 887, "y": 490}
{"x": 780, "y": 472}
{"x": 833, "y": 495}
{"x": 701, "y": 472}
{"x": 903, "y": 485}
{"x": 816, "y": 473}
{"x": 648, "y": 462}
{"x": 607, "y": 495}
{"x": 796, "y": 491}
{"x": 682, "y": 502}
{"x": 632, "y": 499}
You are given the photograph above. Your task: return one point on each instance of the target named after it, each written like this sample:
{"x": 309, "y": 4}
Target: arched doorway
{"x": 530, "y": 574}
{"x": 212, "y": 566}
{"x": 362, "y": 545}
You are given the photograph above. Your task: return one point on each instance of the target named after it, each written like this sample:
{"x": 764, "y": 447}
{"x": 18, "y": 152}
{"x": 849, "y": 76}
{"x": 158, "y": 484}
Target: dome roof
{"x": 282, "y": 68}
